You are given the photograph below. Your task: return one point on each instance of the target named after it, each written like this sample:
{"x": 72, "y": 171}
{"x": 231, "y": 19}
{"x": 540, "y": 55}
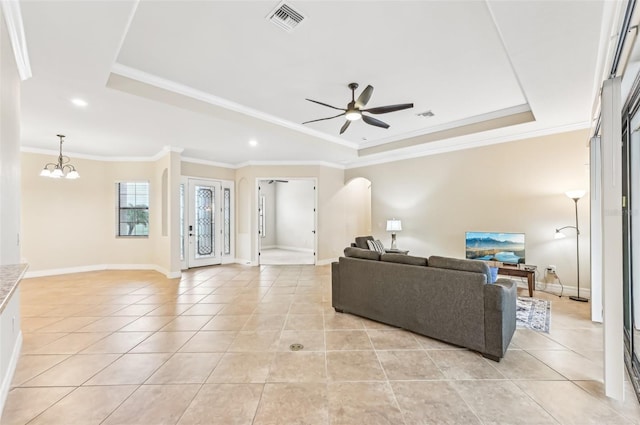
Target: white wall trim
{"x": 326, "y": 261}
{"x": 452, "y": 145}
{"x": 207, "y": 162}
{"x": 290, "y": 163}
{"x": 172, "y": 86}
{"x": 101, "y": 267}
{"x": 245, "y": 262}
{"x": 152, "y": 158}
{"x": 15, "y": 27}
{"x": 450, "y": 125}
{"x": 419, "y": 151}
{"x": 11, "y": 370}
{"x": 289, "y": 248}
{"x": 556, "y": 289}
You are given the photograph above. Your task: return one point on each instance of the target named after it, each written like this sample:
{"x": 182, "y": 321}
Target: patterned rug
{"x": 533, "y": 313}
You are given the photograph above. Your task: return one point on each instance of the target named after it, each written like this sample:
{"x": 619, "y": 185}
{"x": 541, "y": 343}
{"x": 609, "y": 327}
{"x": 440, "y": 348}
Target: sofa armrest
{"x": 499, "y": 316}
{"x": 496, "y": 295}
{"x": 335, "y": 285}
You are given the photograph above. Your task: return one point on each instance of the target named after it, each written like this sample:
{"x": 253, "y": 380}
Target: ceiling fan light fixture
{"x": 353, "y": 115}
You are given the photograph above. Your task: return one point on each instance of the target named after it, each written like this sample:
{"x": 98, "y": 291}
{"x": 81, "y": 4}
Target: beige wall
{"x": 191, "y": 169}
{"x": 9, "y": 151}
{"x": 510, "y": 187}
{"x": 358, "y": 207}
{"x": 70, "y": 224}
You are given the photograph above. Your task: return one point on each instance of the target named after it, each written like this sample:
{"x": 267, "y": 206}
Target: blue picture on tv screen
{"x": 491, "y": 246}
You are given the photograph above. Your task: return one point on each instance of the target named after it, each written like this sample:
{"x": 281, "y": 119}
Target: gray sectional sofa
{"x": 443, "y": 298}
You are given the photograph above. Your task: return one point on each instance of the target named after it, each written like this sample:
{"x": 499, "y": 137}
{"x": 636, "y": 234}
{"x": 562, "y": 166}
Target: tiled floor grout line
{"x": 317, "y": 293}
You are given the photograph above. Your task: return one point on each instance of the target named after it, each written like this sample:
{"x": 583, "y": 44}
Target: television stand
{"x": 515, "y": 271}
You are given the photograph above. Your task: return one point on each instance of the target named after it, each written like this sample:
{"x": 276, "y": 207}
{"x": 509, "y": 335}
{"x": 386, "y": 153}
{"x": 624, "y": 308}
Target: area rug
{"x": 533, "y": 313}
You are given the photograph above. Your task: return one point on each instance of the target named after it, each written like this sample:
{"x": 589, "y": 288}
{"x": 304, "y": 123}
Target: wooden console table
{"x": 514, "y": 271}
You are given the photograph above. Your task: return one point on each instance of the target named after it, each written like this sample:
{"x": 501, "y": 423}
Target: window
{"x": 133, "y": 208}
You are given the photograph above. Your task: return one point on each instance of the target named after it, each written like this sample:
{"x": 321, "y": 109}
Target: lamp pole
{"x": 577, "y": 298}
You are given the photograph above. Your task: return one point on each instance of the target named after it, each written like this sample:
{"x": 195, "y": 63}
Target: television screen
{"x": 491, "y": 246}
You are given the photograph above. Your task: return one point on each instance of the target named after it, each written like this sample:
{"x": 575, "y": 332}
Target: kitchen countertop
{"x": 10, "y": 276}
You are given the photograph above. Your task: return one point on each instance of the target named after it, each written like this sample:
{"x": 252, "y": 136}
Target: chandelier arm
{"x": 62, "y": 168}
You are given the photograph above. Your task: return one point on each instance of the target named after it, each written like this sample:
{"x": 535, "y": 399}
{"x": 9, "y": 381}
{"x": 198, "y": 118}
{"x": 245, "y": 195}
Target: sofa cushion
{"x": 459, "y": 264}
{"x": 404, "y": 259}
{"x": 361, "y": 253}
{"x": 361, "y": 241}
{"x": 376, "y": 246}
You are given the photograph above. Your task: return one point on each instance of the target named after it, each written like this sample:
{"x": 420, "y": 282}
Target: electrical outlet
{"x": 551, "y": 269}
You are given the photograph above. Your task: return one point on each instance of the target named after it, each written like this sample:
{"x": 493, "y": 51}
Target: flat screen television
{"x": 507, "y": 248}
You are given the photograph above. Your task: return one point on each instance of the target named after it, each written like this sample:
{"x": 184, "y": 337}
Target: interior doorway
{"x": 286, "y": 221}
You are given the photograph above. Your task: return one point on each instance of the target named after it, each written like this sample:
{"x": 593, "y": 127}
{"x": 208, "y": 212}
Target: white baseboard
{"x": 327, "y": 261}
{"x": 557, "y": 289}
{"x": 294, "y": 248}
{"x": 245, "y": 262}
{"x": 101, "y": 267}
{"x": 11, "y": 369}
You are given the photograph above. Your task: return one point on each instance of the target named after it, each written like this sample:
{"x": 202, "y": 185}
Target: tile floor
{"x": 131, "y": 347}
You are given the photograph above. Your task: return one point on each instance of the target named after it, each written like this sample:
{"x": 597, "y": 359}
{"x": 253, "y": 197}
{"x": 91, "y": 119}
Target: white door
{"x": 204, "y": 226}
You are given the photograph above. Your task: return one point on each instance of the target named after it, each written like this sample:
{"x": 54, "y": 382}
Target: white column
{"x": 611, "y": 210}
{"x": 595, "y": 196}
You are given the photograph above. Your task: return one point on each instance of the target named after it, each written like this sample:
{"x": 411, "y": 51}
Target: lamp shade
{"x": 559, "y": 235}
{"x": 394, "y": 225}
{"x": 575, "y": 194}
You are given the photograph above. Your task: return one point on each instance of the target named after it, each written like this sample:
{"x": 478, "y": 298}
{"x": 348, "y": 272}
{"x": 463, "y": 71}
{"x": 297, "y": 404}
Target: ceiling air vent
{"x": 285, "y": 17}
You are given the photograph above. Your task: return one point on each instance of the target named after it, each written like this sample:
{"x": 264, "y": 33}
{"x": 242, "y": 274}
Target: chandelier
{"x": 62, "y": 168}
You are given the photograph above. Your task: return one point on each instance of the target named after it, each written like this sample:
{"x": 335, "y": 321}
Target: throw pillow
{"x": 376, "y": 246}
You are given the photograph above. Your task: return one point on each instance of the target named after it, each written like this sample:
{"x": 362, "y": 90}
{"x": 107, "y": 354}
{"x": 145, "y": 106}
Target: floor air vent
{"x": 285, "y": 17}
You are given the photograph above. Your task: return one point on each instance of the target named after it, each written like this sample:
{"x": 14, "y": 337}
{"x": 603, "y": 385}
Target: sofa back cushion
{"x": 459, "y": 264}
{"x": 365, "y": 254}
{"x": 361, "y": 241}
{"x": 404, "y": 259}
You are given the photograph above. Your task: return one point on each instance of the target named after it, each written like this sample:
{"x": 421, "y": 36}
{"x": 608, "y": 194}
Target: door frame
{"x": 225, "y": 258}
{"x": 256, "y": 215}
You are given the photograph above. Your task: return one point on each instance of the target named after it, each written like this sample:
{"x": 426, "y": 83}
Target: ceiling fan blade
{"x": 345, "y": 126}
{"x": 374, "y": 121}
{"x": 389, "y": 108}
{"x": 364, "y": 97}
{"x": 322, "y": 119}
{"x": 324, "y": 104}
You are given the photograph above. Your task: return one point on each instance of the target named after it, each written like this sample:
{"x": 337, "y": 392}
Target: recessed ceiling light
{"x": 253, "y": 143}
{"x": 79, "y": 102}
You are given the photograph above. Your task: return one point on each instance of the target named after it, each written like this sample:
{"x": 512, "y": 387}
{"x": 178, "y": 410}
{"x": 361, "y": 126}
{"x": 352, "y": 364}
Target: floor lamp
{"x": 575, "y": 195}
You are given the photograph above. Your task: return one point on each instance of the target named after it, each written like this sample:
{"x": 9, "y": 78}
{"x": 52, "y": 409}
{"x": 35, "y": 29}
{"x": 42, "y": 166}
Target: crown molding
{"x": 290, "y": 164}
{"x": 207, "y": 162}
{"x": 15, "y": 27}
{"x": 73, "y": 155}
{"x": 200, "y": 95}
{"x": 501, "y": 113}
{"x": 452, "y": 145}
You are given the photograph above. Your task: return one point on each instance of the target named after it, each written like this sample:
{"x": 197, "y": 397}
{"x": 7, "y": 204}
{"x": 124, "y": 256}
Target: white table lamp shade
{"x": 394, "y": 225}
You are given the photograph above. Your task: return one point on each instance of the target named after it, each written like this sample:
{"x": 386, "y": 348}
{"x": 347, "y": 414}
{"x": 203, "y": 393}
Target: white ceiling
{"x": 208, "y": 76}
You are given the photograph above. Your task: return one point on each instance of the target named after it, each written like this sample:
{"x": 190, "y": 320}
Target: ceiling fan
{"x": 354, "y": 110}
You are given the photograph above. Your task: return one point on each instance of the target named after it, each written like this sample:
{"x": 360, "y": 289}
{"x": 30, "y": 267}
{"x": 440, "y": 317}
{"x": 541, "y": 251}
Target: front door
{"x": 204, "y": 227}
